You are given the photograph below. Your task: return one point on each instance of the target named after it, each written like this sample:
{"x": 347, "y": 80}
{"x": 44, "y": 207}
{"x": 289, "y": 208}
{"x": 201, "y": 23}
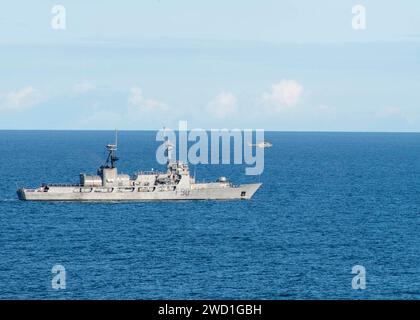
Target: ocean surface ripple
{"x": 329, "y": 201}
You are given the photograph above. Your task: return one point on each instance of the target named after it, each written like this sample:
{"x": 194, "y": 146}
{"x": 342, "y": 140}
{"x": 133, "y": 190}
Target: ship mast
{"x": 169, "y": 147}
{"x": 112, "y": 148}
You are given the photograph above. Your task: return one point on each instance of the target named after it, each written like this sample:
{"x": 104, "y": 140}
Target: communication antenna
{"x": 112, "y": 148}
{"x": 116, "y": 139}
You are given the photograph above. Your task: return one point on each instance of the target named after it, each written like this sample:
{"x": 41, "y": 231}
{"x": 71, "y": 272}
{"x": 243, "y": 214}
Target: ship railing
{"x": 149, "y": 172}
{"x": 63, "y": 185}
{"x": 230, "y": 184}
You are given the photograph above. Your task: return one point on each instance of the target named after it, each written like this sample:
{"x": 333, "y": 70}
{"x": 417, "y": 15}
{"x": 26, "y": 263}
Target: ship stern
{"x": 21, "y": 194}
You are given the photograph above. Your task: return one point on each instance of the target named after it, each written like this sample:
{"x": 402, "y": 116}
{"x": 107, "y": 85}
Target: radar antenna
{"x": 112, "y": 148}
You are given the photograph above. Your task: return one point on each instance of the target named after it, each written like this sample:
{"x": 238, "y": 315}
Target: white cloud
{"x": 390, "y": 112}
{"x": 20, "y": 100}
{"x": 285, "y": 94}
{"x": 140, "y": 103}
{"x": 324, "y": 109}
{"x": 83, "y": 87}
{"x": 100, "y": 119}
{"x": 393, "y": 113}
{"x": 223, "y": 105}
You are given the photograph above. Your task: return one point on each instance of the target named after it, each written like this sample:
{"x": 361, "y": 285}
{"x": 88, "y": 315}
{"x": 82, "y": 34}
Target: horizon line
{"x": 270, "y": 130}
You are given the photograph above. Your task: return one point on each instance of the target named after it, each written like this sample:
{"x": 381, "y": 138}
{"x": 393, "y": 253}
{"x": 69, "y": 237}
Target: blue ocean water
{"x": 329, "y": 201}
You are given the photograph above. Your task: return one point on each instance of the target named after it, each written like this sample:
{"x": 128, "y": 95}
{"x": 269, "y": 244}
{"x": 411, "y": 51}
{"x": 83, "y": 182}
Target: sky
{"x": 295, "y": 65}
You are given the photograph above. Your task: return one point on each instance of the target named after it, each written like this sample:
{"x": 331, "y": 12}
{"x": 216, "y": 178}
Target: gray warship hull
{"x": 76, "y": 193}
{"x": 109, "y": 185}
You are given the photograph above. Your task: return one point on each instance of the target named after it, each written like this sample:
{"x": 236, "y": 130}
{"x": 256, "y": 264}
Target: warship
{"x": 108, "y": 185}
{"x": 263, "y": 144}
